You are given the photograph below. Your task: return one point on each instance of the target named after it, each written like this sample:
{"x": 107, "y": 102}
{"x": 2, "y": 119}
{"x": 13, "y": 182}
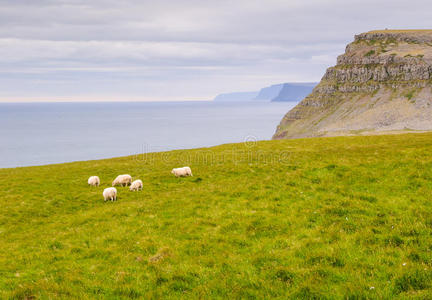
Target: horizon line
{"x": 101, "y": 101}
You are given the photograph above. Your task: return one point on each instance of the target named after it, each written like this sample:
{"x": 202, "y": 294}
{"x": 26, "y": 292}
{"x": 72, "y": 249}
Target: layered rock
{"x": 381, "y": 83}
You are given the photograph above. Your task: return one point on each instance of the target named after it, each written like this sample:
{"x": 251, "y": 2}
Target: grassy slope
{"x": 302, "y": 218}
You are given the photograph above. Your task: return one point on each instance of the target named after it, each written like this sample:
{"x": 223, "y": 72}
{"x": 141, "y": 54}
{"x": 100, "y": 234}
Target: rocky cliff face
{"x": 383, "y": 83}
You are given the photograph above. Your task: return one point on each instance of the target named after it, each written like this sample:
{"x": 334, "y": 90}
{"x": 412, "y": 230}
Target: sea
{"x": 45, "y": 133}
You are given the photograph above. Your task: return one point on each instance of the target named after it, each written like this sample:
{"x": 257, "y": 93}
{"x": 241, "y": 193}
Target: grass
{"x": 410, "y": 94}
{"x": 323, "y": 218}
{"x": 369, "y": 53}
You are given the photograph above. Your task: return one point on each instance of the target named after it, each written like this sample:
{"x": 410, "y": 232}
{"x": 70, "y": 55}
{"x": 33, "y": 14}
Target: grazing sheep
{"x": 123, "y": 180}
{"x": 110, "y": 194}
{"x": 178, "y": 172}
{"x": 94, "y": 181}
{"x": 181, "y": 172}
{"x": 136, "y": 185}
{"x": 188, "y": 171}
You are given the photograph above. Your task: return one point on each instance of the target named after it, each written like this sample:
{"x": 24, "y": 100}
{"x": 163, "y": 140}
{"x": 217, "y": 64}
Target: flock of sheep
{"x": 125, "y": 180}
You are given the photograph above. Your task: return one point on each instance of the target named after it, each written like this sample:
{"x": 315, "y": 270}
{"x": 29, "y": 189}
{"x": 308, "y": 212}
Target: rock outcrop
{"x": 383, "y": 83}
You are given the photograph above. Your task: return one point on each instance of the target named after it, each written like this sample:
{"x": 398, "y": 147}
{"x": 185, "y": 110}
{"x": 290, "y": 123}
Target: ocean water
{"x": 44, "y": 133}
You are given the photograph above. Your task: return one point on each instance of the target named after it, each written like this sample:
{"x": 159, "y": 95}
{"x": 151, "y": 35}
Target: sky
{"x": 166, "y": 50}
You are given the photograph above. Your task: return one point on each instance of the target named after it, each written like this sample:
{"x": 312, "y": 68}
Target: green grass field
{"x": 323, "y": 218}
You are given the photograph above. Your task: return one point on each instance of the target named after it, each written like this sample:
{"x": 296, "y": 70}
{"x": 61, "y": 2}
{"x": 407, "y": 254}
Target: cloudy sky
{"x": 129, "y": 50}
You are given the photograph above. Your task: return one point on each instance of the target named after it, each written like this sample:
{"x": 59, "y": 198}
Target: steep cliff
{"x": 294, "y": 91}
{"x": 269, "y": 92}
{"x": 383, "y": 83}
{"x": 265, "y": 94}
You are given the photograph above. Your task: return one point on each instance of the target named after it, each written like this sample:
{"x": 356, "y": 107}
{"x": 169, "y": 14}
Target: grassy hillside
{"x": 313, "y": 218}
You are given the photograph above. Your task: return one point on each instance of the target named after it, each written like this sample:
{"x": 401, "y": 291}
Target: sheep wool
{"x": 110, "y": 194}
{"x": 94, "y": 181}
{"x": 136, "y": 185}
{"x": 123, "y": 180}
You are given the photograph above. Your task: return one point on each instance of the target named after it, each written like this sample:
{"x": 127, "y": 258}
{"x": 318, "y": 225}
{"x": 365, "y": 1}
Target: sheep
{"x": 110, "y": 194}
{"x": 123, "y": 180}
{"x": 94, "y": 181}
{"x": 188, "y": 171}
{"x": 136, "y": 185}
{"x": 178, "y": 172}
{"x": 181, "y": 172}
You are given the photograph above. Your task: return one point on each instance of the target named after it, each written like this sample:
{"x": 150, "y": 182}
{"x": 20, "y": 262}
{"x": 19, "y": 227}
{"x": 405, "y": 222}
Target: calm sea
{"x": 44, "y": 133}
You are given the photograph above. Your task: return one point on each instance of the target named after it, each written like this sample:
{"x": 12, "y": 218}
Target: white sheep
{"x": 94, "y": 181}
{"x": 110, "y": 194}
{"x": 123, "y": 180}
{"x": 188, "y": 171}
{"x": 178, "y": 172}
{"x": 136, "y": 185}
{"x": 181, "y": 172}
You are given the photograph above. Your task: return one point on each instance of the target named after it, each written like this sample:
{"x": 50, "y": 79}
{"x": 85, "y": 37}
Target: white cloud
{"x": 16, "y": 50}
{"x": 179, "y": 48}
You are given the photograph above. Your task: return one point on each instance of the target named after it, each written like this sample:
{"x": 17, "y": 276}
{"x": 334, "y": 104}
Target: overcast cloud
{"x": 104, "y": 50}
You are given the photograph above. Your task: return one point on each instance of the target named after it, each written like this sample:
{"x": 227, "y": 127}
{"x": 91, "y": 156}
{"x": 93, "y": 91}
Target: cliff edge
{"x": 382, "y": 83}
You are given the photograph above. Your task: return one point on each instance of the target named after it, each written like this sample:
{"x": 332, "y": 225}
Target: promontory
{"x": 381, "y": 84}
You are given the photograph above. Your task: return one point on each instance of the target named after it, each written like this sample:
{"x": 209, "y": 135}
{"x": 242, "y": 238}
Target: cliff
{"x": 277, "y": 92}
{"x": 382, "y": 83}
{"x": 294, "y": 91}
{"x": 266, "y": 94}
{"x": 269, "y": 92}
